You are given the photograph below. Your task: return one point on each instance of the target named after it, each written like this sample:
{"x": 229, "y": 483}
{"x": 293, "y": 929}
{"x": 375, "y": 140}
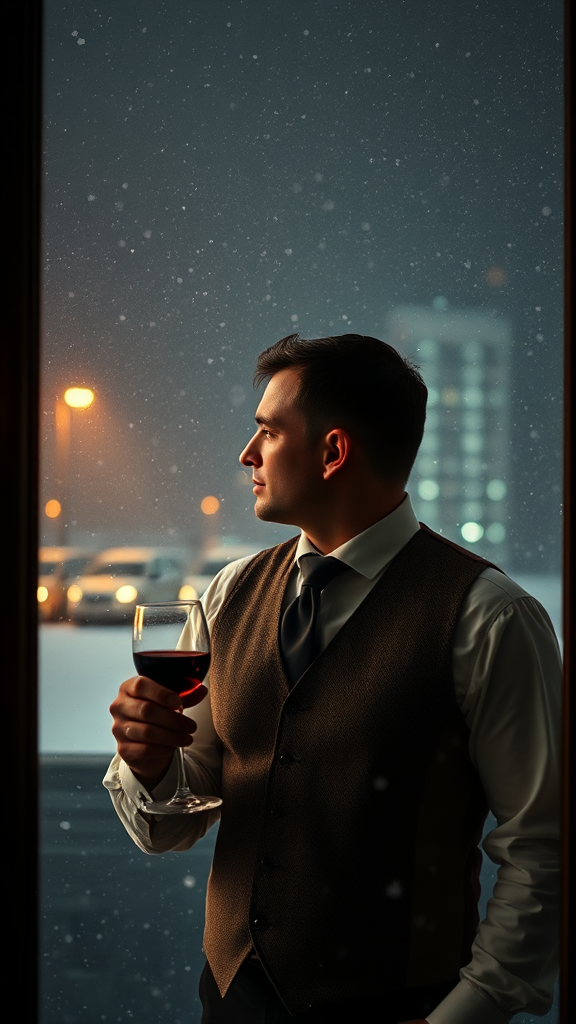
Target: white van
{"x": 119, "y": 578}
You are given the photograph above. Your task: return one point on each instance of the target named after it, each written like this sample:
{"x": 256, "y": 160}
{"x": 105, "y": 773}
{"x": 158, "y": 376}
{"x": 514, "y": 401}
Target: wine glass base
{"x": 181, "y": 805}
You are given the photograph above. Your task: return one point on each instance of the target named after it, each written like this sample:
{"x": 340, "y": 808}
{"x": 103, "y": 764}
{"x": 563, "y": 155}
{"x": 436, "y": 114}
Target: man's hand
{"x": 148, "y": 726}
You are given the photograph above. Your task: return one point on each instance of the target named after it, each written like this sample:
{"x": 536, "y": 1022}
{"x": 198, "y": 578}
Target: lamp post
{"x": 74, "y": 398}
{"x": 210, "y": 506}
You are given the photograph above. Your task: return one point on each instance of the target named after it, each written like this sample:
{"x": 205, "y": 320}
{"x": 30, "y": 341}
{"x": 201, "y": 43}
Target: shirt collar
{"x": 372, "y": 549}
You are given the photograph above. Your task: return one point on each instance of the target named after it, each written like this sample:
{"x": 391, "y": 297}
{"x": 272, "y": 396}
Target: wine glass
{"x": 171, "y": 645}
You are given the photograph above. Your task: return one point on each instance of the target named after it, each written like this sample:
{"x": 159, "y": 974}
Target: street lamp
{"x": 74, "y": 398}
{"x": 210, "y": 506}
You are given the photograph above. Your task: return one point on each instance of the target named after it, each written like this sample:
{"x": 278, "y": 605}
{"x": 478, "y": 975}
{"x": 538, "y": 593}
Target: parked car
{"x": 119, "y": 578}
{"x": 58, "y": 567}
{"x": 209, "y": 565}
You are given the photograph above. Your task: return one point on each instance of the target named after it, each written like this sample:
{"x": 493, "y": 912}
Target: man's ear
{"x": 337, "y": 448}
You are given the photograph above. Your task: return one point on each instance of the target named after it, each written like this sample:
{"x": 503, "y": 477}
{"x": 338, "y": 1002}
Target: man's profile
{"x": 374, "y": 690}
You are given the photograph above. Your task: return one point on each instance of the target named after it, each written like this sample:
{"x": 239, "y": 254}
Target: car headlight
{"x": 74, "y": 593}
{"x": 42, "y": 594}
{"x": 187, "y": 593}
{"x": 126, "y": 594}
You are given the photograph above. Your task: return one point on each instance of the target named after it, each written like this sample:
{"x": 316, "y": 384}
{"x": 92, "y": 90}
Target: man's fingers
{"x": 154, "y": 729}
{"x": 148, "y": 724}
{"x": 146, "y": 689}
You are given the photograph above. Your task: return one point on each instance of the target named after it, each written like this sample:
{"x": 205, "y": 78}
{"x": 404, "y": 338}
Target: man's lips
{"x": 257, "y": 483}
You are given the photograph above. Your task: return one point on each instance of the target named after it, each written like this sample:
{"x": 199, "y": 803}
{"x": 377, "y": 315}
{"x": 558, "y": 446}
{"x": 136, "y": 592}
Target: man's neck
{"x": 333, "y": 530}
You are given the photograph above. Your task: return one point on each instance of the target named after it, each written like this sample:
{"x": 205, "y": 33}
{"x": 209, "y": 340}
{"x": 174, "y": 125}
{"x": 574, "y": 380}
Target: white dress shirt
{"x": 507, "y": 677}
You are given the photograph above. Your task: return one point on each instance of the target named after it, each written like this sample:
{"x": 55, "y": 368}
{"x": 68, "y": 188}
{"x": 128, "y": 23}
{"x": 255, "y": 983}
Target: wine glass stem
{"x": 182, "y": 788}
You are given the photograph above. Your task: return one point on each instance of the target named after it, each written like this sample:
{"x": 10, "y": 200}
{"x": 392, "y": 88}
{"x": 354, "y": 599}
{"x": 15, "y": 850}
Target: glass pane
{"x": 219, "y": 175}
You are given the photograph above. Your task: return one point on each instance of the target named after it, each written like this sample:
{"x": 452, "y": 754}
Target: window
{"x": 219, "y": 176}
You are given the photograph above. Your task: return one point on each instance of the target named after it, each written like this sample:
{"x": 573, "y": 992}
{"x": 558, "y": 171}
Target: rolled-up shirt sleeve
{"x": 508, "y": 678}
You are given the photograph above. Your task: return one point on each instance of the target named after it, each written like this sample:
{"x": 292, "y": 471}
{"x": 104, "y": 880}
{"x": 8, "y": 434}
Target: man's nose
{"x": 250, "y": 455}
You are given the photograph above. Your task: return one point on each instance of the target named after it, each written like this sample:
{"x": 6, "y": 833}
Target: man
{"x": 374, "y": 690}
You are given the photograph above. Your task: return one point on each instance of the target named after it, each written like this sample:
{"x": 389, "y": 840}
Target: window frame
{"x": 19, "y": 405}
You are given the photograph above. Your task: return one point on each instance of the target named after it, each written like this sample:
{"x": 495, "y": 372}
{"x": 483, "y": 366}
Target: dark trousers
{"x": 251, "y": 999}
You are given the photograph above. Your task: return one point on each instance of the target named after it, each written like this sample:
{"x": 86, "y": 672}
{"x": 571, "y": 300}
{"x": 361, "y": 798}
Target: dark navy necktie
{"x": 297, "y": 629}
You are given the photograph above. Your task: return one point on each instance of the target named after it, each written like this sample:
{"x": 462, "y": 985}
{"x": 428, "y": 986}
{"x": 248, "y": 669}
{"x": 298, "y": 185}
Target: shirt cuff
{"x": 137, "y": 792}
{"x": 467, "y": 1006}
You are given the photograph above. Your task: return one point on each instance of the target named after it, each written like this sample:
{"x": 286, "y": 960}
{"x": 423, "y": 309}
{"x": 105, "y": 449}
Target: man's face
{"x": 286, "y": 466}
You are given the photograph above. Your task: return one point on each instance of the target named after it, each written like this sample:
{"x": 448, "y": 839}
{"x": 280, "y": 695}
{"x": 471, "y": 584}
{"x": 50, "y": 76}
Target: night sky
{"x": 221, "y": 174}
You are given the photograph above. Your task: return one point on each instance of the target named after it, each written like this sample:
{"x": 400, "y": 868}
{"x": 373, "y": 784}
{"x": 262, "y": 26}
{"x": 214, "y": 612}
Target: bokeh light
{"x": 209, "y": 505}
{"x": 472, "y": 532}
{"x": 52, "y": 508}
{"x": 79, "y": 398}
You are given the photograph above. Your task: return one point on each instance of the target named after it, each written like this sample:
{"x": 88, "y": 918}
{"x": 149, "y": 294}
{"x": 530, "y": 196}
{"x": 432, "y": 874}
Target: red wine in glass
{"x": 180, "y": 671}
{"x": 171, "y": 645}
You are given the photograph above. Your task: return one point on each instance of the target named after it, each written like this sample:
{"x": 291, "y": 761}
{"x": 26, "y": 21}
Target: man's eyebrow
{"x": 268, "y": 421}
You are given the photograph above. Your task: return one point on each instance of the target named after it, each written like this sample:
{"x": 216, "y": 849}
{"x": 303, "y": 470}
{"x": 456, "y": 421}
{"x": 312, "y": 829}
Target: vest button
{"x": 285, "y": 758}
{"x": 267, "y": 865}
{"x": 275, "y": 812}
{"x": 260, "y": 923}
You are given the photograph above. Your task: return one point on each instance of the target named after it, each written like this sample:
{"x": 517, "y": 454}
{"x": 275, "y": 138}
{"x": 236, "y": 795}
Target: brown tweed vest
{"x": 347, "y": 849}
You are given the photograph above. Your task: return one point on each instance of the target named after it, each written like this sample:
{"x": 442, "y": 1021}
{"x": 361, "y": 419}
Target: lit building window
{"x": 472, "y": 532}
{"x": 496, "y": 533}
{"x": 473, "y": 398}
{"x": 450, "y": 397}
{"x": 496, "y": 490}
{"x": 428, "y": 490}
{"x": 472, "y": 443}
{"x": 430, "y": 442}
{"x": 428, "y": 348}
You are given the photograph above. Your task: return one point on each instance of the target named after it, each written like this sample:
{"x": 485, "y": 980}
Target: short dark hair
{"x": 361, "y": 384}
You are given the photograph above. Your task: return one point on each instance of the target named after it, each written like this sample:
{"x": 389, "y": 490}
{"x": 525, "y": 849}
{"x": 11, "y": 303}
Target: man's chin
{"x": 269, "y": 513}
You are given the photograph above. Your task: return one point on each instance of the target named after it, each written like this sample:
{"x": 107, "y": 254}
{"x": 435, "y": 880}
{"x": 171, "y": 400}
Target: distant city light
{"x": 428, "y": 490}
{"x": 52, "y": 508}
{"x": 496, "y": 490}
{"x": 472, "y": 532}
{"x": 496, "y": 533}
{"x": 79, "y": 398}
{"x": 428, "y": 348}
{"x": 472, "y": 443}
{"x": 209, "y": 505}
{"x": 495, "y": 277}
{"x": 449, "y": 396}
{"x": 42, "y": 594}
{"x": 473, "y": 398}
{"x": 74, "y": 593}
{"x": 187, "y": 593}
{"x": 126, "y": 594}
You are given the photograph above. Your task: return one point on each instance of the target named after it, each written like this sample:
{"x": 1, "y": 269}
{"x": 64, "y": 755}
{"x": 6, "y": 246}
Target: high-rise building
{"x": 460, "y": 480}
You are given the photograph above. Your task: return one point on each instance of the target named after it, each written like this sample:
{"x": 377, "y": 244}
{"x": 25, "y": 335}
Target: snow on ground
{"x": 81, "y": 668}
